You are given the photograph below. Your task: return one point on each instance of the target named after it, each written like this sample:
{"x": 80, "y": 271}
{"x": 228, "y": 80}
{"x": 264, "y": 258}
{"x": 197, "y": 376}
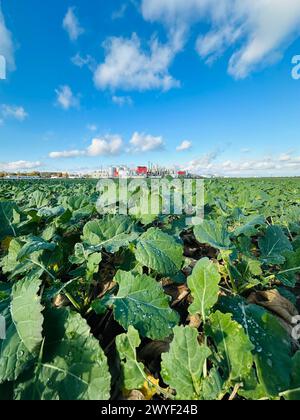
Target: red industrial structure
{"x": 142, "y": 170}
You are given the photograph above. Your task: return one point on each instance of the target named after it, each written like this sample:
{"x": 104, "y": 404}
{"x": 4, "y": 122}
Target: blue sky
{"x": 190, "y": 84}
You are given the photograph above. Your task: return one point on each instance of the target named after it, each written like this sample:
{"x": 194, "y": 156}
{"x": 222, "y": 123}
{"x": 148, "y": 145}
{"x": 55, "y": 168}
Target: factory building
{"x": 150, "y": 171}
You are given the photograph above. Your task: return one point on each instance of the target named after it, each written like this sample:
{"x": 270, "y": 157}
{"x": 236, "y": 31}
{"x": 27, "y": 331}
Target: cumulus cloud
{"x": 16, "y": 112}
{"x": 207, "y": 160}
{"x": 258, "y": 31}
{"x": 141, "y": 142}
{"x": 6, "y": 43}
{"x": 65, "y": 98}
{"x": 122, "y": 100}
{"x": 128, "y": 66}
{"x": 185, "y": 145}
{"x": 19, "y": 165}
{"x": 71, "y": 25}
{"x": 113, "y": 145}
{"x": 269, "y": 165}
{"x": 176, "y": 15}
{"x": 106, "y": 146}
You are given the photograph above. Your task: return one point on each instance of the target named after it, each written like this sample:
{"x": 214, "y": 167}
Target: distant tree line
{"x": 35, "y": 174}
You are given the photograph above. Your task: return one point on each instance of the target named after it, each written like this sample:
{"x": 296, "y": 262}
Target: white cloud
{"x": 209, "y": 164}
{"x": 66, "y": 154}
{"x": 71, "y": 25}
{"x": 185, "y": 145}
{"x": 19, "y": 165}
{"x": 127, "y": 66}
{"x": 65, "y": 98}
{"x": 113, "y": 145}
{"x": 285, "y": 157}
{"x": 207, "y": 160}
{"x": 106, "y": 146}
{"x": 141, "y": 142}
{"x": 80, "y": 61}
{"x": 6, "y": 43}
{"x": 15, "y": 112}
{"x": 258, "y": 31}
{"x": 122, "y": 100}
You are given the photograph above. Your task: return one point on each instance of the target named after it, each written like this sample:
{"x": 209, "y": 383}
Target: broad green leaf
{"x": 273, "y": 245}
{"x": 83, "y": 213}
{"x": 10, "y": 261}
{"x": 212, "y": 386}
{"x": 160, "y": 252}
{"x": 49, "y": 232}
{"x": 14, "y": 356}
{"x": 253, "y": 266}
{"x": 35, "y": 244}
{"x": 133, "y": 371}
{"x": 244, "y": 273}
{"x": 272, "y": 344}
{"x": 100, "y": 306}
{"x": 49, "y": 213}
{"x": 93, "y": 262}
{"x": 26, "y": 312}
{"x": 182, "y": 367}
{"x": 38, "y": 199}
{"x": 110, "y": 233}
{"x": 8, "y": 213}
{"x": 80, "y": 254}
{"x": 204, "y": 286}
{"x": 33, "y": 266}
{"x": 249, "y": 225}
{"x": 73, "y": 366}
{"x": 252, "y": 389}
{"x": 142, "y": 303}
{"x": 213, "y": 234}
{"x": 173, "y": 226}
{"x": 290, "y": 269}
{"x": 234, "y": 346}
{"x": 293, "y": 394}
{"x": 76, "y": 202}
{"x": 87, "y": 259}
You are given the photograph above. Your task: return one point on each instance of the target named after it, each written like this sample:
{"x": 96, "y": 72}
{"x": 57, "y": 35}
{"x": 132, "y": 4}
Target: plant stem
{"x": 73, "y": 301}
{"x": 234, "y": 392}
{"x": 290, "y": 270}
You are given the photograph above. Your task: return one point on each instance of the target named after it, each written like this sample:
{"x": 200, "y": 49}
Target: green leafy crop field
{"x": 120, "y": 307}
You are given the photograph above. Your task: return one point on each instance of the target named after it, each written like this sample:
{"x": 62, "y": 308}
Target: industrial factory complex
{"x": 150, "y": 171}
{"x": 120, "y": 171}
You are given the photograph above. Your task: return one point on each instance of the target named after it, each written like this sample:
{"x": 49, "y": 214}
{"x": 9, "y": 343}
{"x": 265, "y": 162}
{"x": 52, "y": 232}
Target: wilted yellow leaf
{"x": 55, "y": 268}
{"x": 5, "y": 243}
{"x": 149, "y": 388}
